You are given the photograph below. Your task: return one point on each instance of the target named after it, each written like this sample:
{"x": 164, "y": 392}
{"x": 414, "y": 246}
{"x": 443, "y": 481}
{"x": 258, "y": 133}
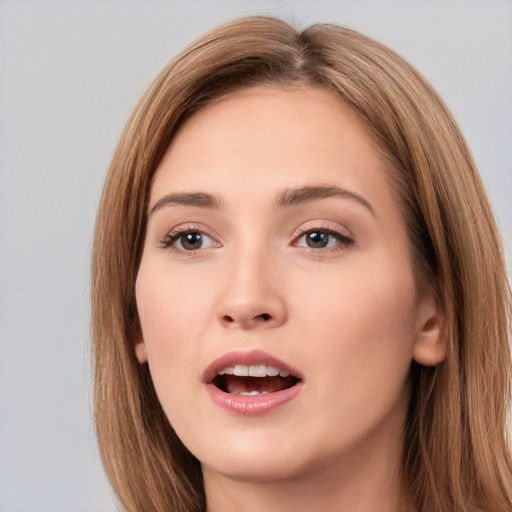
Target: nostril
{"x": 264, "y": 317}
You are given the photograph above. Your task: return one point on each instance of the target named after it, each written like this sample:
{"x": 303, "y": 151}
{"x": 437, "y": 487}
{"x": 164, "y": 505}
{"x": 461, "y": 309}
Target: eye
{"x": 323, "y": 239}
{"x": 188, "y": 240}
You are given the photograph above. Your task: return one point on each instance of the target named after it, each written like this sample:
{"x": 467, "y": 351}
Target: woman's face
{"x": 274, "y": 243}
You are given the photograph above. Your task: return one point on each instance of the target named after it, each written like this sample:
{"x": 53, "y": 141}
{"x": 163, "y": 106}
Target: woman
{"x": 299, "y": 295}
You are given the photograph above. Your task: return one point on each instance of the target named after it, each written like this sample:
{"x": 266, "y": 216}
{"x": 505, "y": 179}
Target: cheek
{"x": 171, "y": 329}
{"x": 366, "y": 328}
{"x": 168, "y": 304}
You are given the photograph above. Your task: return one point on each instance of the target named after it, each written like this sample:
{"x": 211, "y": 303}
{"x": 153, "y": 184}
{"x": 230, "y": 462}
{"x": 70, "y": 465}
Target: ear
{"x": 140, "y": 350}
{"x": 430, "y": 346}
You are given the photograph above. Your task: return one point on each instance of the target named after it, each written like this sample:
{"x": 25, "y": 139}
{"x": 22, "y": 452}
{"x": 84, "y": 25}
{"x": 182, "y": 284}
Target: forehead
{"x": 270, "y": 114}
{"x": 271, "y": 135}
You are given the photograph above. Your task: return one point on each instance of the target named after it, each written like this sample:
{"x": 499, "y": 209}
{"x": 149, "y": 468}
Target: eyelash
{"x": 344, "y": 241}
{"x": 169, "y": 241}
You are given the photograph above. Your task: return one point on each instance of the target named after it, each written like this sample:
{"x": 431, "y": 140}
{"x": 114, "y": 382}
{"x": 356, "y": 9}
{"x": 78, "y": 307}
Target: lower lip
{"x": 252, "y": 405}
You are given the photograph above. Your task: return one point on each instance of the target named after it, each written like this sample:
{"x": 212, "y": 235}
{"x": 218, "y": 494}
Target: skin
{"x": 347, "y": 316}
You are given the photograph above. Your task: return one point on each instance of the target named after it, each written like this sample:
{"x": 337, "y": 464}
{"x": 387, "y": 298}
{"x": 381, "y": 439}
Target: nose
{"x": 252, "y": 296}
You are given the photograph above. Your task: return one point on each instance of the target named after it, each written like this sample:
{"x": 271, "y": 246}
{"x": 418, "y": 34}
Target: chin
{"x": 256, "y": 460}
{"x": 247, "y": 470}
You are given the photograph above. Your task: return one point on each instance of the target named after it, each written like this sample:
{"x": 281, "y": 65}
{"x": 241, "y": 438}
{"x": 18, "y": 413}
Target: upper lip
{"x": 247, "y": 358}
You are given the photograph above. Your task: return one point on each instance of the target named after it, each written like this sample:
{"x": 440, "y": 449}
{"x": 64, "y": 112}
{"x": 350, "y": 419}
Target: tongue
{"x": 238, "y": 385}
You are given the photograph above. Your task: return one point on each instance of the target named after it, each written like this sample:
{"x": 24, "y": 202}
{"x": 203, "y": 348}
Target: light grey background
{"x": 71, "y": 72}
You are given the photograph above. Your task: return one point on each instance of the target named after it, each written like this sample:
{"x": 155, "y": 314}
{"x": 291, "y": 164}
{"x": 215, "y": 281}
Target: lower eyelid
{"x": 341, "y": 244}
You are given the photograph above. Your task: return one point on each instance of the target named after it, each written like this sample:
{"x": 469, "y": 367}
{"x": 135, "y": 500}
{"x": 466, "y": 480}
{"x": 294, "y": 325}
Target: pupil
{"x": 192, "y": 241}
{"x": 317, "y": 239}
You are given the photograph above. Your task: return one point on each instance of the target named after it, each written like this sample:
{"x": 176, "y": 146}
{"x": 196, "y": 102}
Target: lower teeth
{"x": 251, "y": 393}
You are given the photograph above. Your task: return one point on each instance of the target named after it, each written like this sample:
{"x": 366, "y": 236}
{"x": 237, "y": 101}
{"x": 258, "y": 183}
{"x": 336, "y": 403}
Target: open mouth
{"x": 253, "y": 380}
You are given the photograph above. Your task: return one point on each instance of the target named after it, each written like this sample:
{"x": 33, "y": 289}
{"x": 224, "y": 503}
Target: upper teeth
{"x": 254, "y": 370}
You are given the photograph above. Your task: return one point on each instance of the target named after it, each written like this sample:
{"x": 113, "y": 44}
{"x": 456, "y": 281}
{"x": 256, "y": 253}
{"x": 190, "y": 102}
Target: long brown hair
{"x": 455, "y": 453}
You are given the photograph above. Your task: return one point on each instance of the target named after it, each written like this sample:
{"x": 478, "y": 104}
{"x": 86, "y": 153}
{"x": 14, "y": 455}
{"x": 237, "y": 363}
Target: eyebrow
{"x": 292, "y": 197}
{"x": 287, "y": 198}
{"x": 198, "y": 199}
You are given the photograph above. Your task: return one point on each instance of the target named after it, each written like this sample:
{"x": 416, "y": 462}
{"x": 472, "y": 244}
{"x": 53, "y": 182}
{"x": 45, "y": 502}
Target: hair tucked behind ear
{"x": 455, "y": 455}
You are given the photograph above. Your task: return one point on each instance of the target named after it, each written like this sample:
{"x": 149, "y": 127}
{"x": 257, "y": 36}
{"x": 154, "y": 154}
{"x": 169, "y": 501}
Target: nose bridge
{"x": 251, "y": 296}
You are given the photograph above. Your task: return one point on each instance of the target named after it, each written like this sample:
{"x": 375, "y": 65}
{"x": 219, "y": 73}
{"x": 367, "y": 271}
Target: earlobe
{"x": 430, "y": 346}
{"x": 140, "y": 350}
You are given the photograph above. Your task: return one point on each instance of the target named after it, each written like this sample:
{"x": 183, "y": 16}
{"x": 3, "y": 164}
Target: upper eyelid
{"x": 305, "y": 227}
{"x": 191, "y": 227}
{"x": 321, "y": 228}
{"x": 329, "y": 231}
{"x": 324, "y": 225}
